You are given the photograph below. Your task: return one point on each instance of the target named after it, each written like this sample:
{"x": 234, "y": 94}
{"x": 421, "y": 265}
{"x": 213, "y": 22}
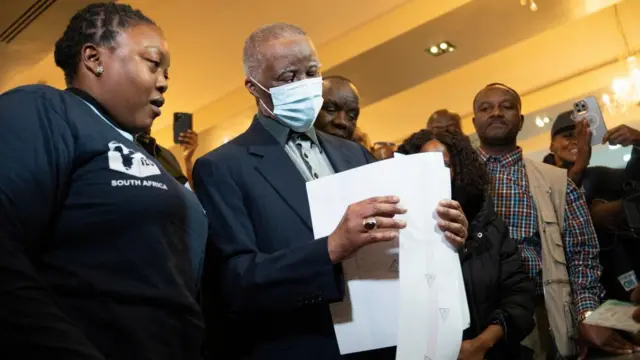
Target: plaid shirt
{"x": 514, "y": 203}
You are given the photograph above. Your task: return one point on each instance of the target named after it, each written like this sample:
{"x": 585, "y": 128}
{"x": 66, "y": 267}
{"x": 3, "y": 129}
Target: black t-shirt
{"x": 100, "y": 248}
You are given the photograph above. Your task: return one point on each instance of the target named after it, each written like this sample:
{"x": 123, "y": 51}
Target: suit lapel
{"x": 340, "y": 158}
{"x": 276, "y": 167}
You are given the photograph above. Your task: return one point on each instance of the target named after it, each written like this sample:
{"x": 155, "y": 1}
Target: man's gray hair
{"x": 251, "y": 53}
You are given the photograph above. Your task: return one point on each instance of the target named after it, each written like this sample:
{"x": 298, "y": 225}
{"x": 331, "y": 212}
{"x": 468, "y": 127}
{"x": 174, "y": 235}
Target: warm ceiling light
{"x": 546, "y": 119}
{"x": 539, "y": 121}
{"x": 625, "y": 90}
{"x": 443, "y": 47}
{"x": 532, "y": 4}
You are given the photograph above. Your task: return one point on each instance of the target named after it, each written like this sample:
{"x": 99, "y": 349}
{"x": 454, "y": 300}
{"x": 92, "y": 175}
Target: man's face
{"x": 440, "y": 123}
{"x": 497, "y": 117}
{"x": 284, "y": 61}
{"x": 341, "y": 108}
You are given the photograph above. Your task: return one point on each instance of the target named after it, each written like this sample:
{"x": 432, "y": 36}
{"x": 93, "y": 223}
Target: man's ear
{"x": 251, "y": 86}
{"x": 90, "y": 58}
{"x": 521, "y": 122}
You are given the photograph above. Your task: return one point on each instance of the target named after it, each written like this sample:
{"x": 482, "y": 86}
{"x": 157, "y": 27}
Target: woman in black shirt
{"x": 499, "y": 293}
{"x": 100, "y": 248}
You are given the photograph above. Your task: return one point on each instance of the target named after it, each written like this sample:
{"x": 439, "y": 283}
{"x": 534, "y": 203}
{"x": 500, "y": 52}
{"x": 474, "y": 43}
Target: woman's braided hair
{"x": 99, "y": 24}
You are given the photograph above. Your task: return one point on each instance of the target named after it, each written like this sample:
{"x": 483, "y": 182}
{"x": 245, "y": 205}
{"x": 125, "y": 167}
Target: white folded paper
{"x": 410, "y": 295}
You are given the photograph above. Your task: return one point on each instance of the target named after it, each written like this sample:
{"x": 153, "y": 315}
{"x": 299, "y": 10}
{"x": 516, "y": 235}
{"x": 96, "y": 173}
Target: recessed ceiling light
{"x": 539, "y": 121}
{"x": 546, "y": 119}
{"x": 614, "y": 147}
{"x": 626, "y": 157}
{"x": 441, "y": 48}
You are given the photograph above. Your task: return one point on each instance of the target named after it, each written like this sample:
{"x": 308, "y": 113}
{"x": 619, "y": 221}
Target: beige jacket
{"x": 548, "y": 185}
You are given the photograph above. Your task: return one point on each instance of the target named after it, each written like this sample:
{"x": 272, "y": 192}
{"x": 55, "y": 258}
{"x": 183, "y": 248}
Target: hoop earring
{"x": 99, "y": 70}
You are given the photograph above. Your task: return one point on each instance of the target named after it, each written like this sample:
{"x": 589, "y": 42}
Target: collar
{"x": 509, "y": 159}
{"x": 283, "y": 133}
{"x": 100, "y": 110}
{"x": 150, "y": 144}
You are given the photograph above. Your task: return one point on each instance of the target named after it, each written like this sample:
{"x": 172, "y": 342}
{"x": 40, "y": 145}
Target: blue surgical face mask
{"x": 296, "y": 105}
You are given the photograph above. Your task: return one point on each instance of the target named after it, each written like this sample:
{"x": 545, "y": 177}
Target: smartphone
{"x": 589, "y": 109}
{"x": 181, "y": 123}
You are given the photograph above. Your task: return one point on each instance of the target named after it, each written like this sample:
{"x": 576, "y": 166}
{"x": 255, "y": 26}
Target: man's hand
{"x": 583, "y": 139}
{"x": 453, "y": 223}
{"x": 606, "y": 339}
{"x": 472, "y": 350}
{"x": 189, "y": 143}
{"x": 351, "y": 234}
{"x": 622, "y": 135}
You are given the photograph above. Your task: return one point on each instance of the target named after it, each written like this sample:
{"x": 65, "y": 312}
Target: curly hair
{"x": 98, "y": 24}
{"x": 469, "y": 172}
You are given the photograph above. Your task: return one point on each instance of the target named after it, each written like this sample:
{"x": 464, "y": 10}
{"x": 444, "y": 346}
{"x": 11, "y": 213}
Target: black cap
{"x": 563, "y": 122}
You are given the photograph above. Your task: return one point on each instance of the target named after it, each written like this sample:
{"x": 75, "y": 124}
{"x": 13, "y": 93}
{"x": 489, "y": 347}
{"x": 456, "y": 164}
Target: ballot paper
{"x": 408, "y": 294}
{"x": 616, "y": 315}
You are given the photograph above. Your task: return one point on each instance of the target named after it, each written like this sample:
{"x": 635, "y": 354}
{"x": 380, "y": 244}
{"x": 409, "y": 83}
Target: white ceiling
{"x": 566, "y": 49}
{"x": 529, "y": 66}
{"x": 41, "y": 22}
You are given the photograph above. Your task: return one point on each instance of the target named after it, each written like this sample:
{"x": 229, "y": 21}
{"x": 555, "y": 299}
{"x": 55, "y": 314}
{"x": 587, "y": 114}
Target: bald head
{"x": 341, "y": 107}
{"x": 252, "y": 57}
{"x": 444, "y": 119}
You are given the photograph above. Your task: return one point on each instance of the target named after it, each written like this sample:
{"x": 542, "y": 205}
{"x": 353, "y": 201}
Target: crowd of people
{"x": 109, "y": 250}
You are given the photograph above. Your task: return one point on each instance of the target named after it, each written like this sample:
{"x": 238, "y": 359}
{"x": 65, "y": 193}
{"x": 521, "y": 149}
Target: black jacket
{"x": 498, "y": 289}
{"x": 267, "y": 283}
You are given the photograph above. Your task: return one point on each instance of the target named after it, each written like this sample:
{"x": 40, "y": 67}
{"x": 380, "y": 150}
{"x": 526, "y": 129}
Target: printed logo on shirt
{"x": 130, "y": 162}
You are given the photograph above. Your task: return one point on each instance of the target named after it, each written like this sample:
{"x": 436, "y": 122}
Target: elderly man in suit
{"x": 268, "y": 283}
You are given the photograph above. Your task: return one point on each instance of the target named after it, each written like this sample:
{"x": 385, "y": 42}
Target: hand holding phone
{"x": 589, "y": 110}
{"x": 182, "y": 123}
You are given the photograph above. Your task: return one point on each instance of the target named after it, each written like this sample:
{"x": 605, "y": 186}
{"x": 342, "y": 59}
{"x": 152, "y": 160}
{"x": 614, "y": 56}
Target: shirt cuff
{"x": 585, "y": 302}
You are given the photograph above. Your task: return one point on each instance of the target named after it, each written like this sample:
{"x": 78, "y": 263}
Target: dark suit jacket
{"x": 267, "y": 282}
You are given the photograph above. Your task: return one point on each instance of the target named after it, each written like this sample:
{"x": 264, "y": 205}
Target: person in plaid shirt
{"x": 498, "y": 120}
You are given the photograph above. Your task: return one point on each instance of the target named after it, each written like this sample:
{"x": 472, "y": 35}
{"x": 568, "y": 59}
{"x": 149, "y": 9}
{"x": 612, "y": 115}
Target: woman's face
{"x": 135, "y": 77}
{"x": 437, "y": 146}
